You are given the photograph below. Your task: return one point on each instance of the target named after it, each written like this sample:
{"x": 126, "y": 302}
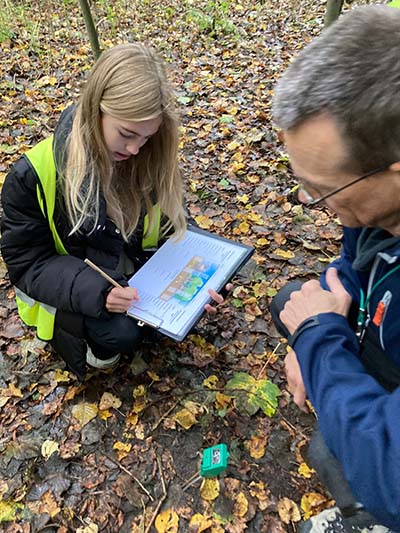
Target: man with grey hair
{"x": 338, "y": 105}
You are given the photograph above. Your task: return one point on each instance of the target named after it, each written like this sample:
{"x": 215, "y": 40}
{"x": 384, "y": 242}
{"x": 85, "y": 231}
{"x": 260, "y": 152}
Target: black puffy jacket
{"x": 27, "y": 245}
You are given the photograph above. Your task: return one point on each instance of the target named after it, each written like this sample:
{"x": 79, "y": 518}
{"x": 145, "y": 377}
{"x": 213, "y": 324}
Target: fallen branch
{"x": 164, "y": 495}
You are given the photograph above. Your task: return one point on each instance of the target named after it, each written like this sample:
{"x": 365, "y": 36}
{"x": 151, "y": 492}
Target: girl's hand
{"x": 218, "y": 298}
{"x": 119, "y": 299}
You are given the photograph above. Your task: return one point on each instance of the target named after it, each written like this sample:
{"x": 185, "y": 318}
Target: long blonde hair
{"x": 127, "y": 82}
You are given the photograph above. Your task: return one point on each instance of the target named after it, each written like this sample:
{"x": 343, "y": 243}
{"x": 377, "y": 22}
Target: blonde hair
{"x": 129, "y": 83}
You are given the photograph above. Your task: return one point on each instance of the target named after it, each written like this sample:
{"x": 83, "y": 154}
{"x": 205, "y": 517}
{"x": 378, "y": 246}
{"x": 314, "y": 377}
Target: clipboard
{"x": 173, "y": 284}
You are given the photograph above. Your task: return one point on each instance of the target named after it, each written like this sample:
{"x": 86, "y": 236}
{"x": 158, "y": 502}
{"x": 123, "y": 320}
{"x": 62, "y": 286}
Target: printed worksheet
{"x": 173, "y": 285}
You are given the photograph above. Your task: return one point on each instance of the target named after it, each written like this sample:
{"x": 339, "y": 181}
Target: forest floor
{"x": 113, "y": 454}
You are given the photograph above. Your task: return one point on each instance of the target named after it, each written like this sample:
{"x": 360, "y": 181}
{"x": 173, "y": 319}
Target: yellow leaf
{"x": 258, "y": 490}
{"x": 244, "y": 198}
{"x": 14, "y": 391}
{"x": 152, "y": 375}
{"x": 256, "y": 446}
{"x": 234, "y": 145}
{"x": 288, "y": 511}
{"x": 244, "y": 227}
{"x": 4, "y": 400}
{"x": 8, "y": 511}
{"x": 167, "y": 522}
{"x": 122, "y": 448}
{"x": 185, "y": 418}
{"x": 241, "y": 505}
{"x": 109, "y": 400}
{"x": 211, "y": 382}
{"x": 285, "y": 254}
{"x": 139, "y": 431}
{"x": 91, "y": 528}
{"x": 256, "y": 218}
{"x": 262, "y": 242}
{"x": 84, "y": 412}
{"x": 233, "y": 110}
{"x": 210, "y": 148}
{"x": 209, "y": 489}
{"x": 132, "y": 419}
{"x": 139, "y": 405}
{"x": 104, "y": 414}
{"x": 261, "y": 289}
{"x": 203, "y": 221}
{"x": 237, "y": 167}
{"x": 61, "y": 376}
{"x": 311, "y": 504}
{"x": 199, "y": 523}
{"x": 305, "y": 471}
{"x": 139, "y": 391}
{"x": 49, "y": 447}
{"x": 252, "y": 178}
{"x": 222, "y": 400}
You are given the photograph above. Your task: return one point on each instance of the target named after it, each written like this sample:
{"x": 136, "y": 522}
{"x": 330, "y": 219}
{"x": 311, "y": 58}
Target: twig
{"x": 164, "y": 416}
{"x": 129, "y": 474}
{"x": 161, "y": 499}
{"x": 269, "y": 359}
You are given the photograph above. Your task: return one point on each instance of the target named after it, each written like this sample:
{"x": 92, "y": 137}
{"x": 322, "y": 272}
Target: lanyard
{"x": 362, "y": 318}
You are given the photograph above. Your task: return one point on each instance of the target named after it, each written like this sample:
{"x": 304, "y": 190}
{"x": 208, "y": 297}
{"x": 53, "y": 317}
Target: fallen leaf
{"x": 256, "y": 446}
{"x": 84, "y": 412}
{"x": 167, "y": 522}
{"x": 109, "y": 400}
{"x": 241, "y": 505}
{"x": 199, "y": 523}
{"x": 312, "y": 503}
{"x": 90, "y": 528}
{"x": 9, "y": 510}
{"x": 49, "y": 505}
{"x": 210, "y": 382}
{"x": 288, "y": 511}
{"x": 49, "y": 447}
{"x": 285, "y": 254}
{"x": 123, "y": 449}
{"x": 305, "y": 471}
{"x": 203, "y": 221}
{"x": 209, "y": 489}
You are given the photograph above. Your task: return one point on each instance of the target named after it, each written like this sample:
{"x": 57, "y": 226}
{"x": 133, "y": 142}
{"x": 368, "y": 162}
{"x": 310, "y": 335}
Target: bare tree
{"x": 91, "y": 28}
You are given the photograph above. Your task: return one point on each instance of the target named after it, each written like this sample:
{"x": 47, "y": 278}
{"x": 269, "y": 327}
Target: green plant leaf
{"x": 252, "y": 394}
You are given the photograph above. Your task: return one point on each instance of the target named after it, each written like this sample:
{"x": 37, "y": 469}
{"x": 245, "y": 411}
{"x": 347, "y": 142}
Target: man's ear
{"x": 395, "y": 167}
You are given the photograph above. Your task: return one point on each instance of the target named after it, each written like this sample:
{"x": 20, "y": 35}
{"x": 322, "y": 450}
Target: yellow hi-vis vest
{"x": 35, "y": 313}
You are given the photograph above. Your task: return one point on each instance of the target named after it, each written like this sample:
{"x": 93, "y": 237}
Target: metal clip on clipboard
{"x": 146, "y": 319}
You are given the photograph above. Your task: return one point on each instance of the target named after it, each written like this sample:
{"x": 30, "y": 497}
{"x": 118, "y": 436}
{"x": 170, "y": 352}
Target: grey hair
{"x": 352, "y": 72}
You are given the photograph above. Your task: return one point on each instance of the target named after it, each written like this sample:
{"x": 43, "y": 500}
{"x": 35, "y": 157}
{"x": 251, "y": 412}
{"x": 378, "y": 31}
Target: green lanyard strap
{"x": 364, "y": 301}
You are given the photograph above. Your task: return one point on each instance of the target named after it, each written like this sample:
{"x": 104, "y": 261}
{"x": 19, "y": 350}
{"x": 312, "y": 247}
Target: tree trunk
{"x": 91, "y": 29}
{"x": 333, "y": 9}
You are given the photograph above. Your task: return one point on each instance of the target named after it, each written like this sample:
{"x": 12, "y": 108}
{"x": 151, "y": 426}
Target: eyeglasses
{"x": 310, "y": 201}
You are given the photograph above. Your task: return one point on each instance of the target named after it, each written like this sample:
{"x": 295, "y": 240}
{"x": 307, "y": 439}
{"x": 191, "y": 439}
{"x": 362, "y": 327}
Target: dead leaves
{"x": 167, "y": 522}
{"x": 84, "y": 412}
{"x": 188, "y": 416}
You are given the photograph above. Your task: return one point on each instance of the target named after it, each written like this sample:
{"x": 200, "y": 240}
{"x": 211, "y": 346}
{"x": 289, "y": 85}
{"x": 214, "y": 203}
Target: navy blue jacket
{"x": 358, "y": 417}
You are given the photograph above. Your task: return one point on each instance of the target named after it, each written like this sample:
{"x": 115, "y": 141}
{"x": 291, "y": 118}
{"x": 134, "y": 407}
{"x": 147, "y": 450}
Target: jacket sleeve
{"x": 28, "y": 249}
{"x": 358, "y": 418}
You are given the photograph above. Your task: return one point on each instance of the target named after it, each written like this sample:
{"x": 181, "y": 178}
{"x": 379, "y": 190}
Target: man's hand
{"x": 295, "y": 380}
{"x": 312, "y": 300}
{"x": 119, "y": 299}
{"x": 218, "y": 298}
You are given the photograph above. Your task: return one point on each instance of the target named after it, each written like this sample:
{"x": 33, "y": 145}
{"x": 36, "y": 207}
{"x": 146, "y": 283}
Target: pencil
{"x": 102, "y": 273}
